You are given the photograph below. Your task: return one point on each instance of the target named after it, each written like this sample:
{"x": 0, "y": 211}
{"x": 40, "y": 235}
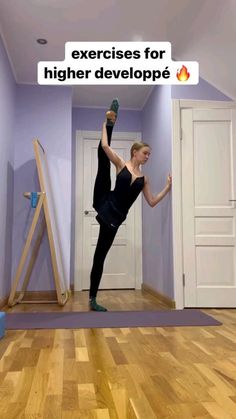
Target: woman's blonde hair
{"x": 137, "y": 146}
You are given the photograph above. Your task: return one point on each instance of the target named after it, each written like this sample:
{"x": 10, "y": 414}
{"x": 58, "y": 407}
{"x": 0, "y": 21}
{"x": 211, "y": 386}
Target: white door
{"x": 122, "y": 267}
{"x": 209, "y": 207}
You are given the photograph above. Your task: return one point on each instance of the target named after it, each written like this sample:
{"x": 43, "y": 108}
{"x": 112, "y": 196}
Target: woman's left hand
{"x": 169, "y": 180}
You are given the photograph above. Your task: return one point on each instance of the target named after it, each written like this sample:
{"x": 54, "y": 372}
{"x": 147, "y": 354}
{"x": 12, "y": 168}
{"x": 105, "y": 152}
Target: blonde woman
{"x": 113, "y": 206}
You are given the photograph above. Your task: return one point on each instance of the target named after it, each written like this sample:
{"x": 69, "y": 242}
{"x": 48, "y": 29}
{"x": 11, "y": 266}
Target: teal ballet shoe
{"x": 94, "y": 306}
{"x": 113, "y": 109}
{"x": 115, "y": 105}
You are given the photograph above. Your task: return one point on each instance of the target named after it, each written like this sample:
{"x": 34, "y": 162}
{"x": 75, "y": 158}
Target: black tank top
{"x": 115, "y": 205}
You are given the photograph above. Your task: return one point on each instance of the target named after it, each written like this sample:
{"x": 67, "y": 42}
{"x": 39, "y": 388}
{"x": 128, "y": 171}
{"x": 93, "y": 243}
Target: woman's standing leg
{"x": 105, "y": 240}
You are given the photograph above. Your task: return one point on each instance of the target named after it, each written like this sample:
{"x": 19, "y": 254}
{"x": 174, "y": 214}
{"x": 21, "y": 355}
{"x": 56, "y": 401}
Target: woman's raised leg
{"x": 102, "y": 183}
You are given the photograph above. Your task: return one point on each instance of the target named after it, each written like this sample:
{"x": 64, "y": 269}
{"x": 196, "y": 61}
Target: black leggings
{"x": 106, "y": 235}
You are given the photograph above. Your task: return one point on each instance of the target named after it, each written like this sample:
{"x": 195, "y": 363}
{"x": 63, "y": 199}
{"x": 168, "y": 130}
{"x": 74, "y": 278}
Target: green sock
{"x": 114, "y": 107}
{"x": 94, "y": 306}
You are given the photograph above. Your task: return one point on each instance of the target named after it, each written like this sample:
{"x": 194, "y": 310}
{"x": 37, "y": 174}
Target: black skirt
{"x": 110, "y": 215}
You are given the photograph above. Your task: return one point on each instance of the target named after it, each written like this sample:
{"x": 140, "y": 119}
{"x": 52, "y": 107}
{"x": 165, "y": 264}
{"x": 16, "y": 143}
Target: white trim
{"x": 78, "y": 262}
{"x": 95, "y": 135}
{"x": 177, "y": 105}
{"x": 177, "y": 207}
{"x": 105, "y": 108}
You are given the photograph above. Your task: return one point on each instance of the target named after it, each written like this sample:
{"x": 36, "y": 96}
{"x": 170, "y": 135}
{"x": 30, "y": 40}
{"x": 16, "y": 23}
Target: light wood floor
{"x": 146, "y": 373}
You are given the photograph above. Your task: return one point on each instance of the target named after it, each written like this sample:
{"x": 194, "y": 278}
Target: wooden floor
{"x": 152, "y": 372}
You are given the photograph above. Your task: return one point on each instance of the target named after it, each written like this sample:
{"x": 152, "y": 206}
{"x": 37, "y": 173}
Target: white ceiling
{"x": 199, "y": 30}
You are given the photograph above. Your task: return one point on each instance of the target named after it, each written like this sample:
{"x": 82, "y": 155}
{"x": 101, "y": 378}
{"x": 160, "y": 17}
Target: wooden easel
{"x": 62, "y": 294}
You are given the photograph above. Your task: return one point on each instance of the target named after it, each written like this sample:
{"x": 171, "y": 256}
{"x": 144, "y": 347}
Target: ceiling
{"x": 203, "y": 31}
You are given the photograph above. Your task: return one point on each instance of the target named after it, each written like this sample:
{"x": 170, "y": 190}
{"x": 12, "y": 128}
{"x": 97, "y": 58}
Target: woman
{"x": 113, "y": 206}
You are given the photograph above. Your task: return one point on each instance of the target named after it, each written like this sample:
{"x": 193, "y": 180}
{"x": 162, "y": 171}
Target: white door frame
{"x": 177, "y": 105}
{"x": 78, "y": 263}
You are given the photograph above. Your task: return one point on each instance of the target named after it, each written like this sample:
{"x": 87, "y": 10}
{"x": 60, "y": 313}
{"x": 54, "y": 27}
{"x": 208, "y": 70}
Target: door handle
{"x": 234, "y": 200}
{"x": 87, "y": 212}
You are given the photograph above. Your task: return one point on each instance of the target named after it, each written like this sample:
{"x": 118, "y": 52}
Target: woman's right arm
{"x": 104, "y": 135}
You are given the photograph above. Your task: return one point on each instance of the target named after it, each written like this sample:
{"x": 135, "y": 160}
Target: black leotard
{"x": 115, "y": 205}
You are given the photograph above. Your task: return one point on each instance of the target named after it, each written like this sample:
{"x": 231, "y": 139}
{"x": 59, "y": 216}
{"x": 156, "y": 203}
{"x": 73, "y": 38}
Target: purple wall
{"x": 91, "y": 119}
{"x": 157, "y": 222}
{"x": 201, "y": 91}
{"x": 43, "y": 112}
{"x": 7, "y": 111}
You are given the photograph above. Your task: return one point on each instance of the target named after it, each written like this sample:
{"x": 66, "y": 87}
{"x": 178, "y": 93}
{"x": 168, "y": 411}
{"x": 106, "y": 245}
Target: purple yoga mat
{"x": 93, "y": 319}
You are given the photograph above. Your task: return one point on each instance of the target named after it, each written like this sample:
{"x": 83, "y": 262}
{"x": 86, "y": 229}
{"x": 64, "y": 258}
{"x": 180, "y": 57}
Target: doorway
{"x": 123, "y": 264}
{"x": 204, "y": 203}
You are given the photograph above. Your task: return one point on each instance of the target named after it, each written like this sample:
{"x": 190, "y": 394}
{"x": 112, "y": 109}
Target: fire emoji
{"x": 183, "y": 75}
